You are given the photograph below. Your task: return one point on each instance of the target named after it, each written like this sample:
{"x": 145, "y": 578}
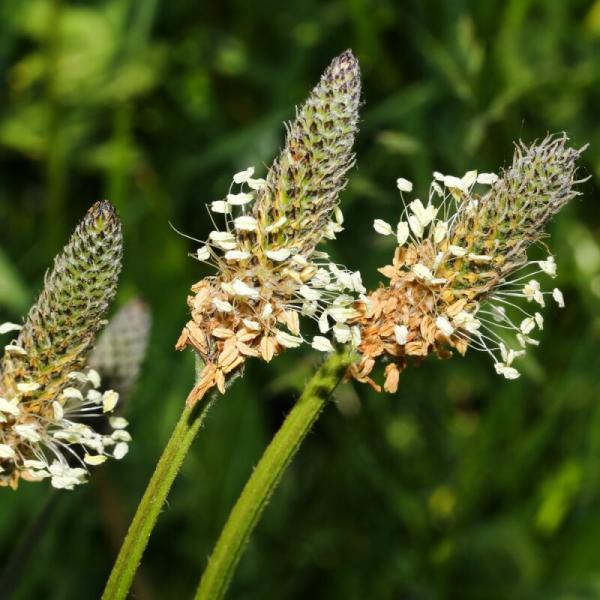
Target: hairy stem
{"x": 152, "y": 502}
{"x": 265, "y": 477}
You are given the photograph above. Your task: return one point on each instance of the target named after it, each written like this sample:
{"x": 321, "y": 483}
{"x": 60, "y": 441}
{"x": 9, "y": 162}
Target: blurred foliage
{"x": 463, "y": 486}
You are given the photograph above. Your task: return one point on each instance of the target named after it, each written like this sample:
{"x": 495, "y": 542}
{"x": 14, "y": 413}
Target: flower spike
{"x": 46, "y": 392}
{"x": 268, "y": 271}
{"x": 461, "y": 265}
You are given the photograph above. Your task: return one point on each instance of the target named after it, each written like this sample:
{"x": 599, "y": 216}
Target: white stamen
{"x": 243, "y": 176}
{"x": 402, "y": 232}
{"x": 382, "y": 227}
{"x": 245, "y": 223}
{"x": 404, "y": 185}
{"x": 322, "y": 344}
{"x": 401, "y": 334}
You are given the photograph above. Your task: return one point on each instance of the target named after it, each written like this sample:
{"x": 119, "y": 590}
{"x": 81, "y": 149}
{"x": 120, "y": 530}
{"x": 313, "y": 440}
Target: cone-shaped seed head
{"x": 62, "y": 325}
{"x": 514, "y": 213}
{"x": 304, "y": 182}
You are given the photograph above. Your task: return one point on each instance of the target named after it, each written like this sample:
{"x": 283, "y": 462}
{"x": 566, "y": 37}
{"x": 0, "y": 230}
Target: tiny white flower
{"x": 28, "y": 432}
{"x": 507, "y": 355}
{"x": 237, "y": 255}
{"x": 401, "y": 334}
{"x": 342, "y": 333}
{"x": 6, "y": 451}
{"x": 439, "y": 232}
{"x": 278, "y": 255}
{"x": 203, "y": 253}
{"x": 532, "y": 291}
{"x": 309, "y": 293}
{"x": 548, "y": 266}
{"x": 322, "y": 344}
{"x": 118, "y": 422}
{"x": 558, "y": 297}
{"x": 539, "y": 320}
{"x": 382, "y": 227}
{"x": 245, "y": 223}
{"x": 415, "y": 226}
{"x": 457, "y": 251}
{"x": 78, "y": 376}
{"x": 480, "y": 258}
{"x": 240, "y": 199}
{"x": 58, "y": 411}
{"x": 28, "y": 387}
{"x": 223, "y": 239}
{"x": 220, "y": 206}
{"x": 309, "y": 308}
{"x": 323, "y": 322}
{"x": 339, "y": 215}
{"x": 422, "y": 272}
{"x": 506, "y": 371}
{"x": 402, "y": 232}
{"x": 524, "y": 340}
{"x": 9, "y": 408}
{"x": 8, "y": 327}
{"x": 287, "y": 340}
{"x": 444, "y": 326}
{"x": 109, "y": 400}
{"x": 425, "y": 215}
{"x": 34, "y": 464}
{"x": 243, "y": 176}
{"x": 222, "y": 305}
{"x": 300, "y": 260}
{"x": 94, "y": 396}
{"x": 72, "y": 393}
{"x": 467, "y": 321}
{"x": 341, "y": 314}
{"x": 120, "y": 436}
{"x": 487, "y": 178}
{"x": 356, "y": 336}
{"x": 94, "y": 459}
{"x": 251, "y": 325}
{"x": 469, "y": 178}
{"x": 404, "y": 185}
{"x": 94, "y": 377}
{"x": 527, "y": 325}
{"x": 437, "y": 189}
{"x": 457, "y": 183}
{"x": 439, "y": 176}
{"x": 120, "y": 450}
{"x": 242, "y": 289}
{"x": 256, "y": 184}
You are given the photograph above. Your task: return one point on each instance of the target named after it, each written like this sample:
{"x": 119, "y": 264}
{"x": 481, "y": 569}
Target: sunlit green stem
{"x": 154, "y": 498}
{"x": 266, "y": 476}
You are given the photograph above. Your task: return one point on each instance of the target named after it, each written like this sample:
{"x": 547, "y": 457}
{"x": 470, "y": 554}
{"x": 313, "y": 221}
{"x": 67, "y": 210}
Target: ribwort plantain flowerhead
{"x": 268, "y": 270}
{"x": 48, "y": 398}
{"x": 121, "y": 348}
{"x": 461, "y": 268}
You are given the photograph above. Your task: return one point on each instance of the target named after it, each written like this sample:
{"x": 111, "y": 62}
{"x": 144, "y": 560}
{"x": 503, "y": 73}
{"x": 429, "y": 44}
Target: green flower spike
{"x": 45, "y": 397}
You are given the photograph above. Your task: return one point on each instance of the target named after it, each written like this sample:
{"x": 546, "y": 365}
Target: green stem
{"x": 155, "y": 495}
{"x": 265, "y": 477}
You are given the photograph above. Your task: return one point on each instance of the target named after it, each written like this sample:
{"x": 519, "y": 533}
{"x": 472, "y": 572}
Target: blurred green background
{"x": 463, "y": 485}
